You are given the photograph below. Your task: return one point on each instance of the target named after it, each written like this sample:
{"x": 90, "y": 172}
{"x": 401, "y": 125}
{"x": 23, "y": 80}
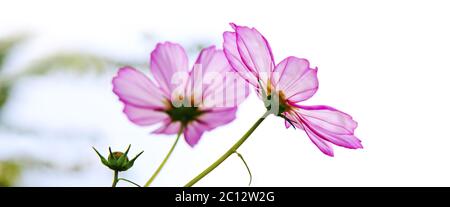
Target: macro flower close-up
{"x": 182, "y": 101}
{"x": 179, "y": 94}
{"x": 289, "y": 82}
{"x": 151, "y": 101}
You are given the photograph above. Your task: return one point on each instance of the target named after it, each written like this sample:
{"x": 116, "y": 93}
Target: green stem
{"x": 246, "y": 165}
{"x": 116, "y": 178}
{"x": 165, "y": 159}
{"x": 229, "y": 152}
{"x": 126, "y": 180}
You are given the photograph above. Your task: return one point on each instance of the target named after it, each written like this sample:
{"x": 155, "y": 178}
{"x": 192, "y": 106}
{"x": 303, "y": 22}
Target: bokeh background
{"x": 384, "y": 62}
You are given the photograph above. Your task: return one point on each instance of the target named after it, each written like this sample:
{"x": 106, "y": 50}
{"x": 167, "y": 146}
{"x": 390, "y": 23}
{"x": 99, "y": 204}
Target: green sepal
{"x": 111, "y": 159}
{"x": 131, "y": 162}
{"x": 123, "y": 159}
{"x": 103, "y": 159}
{"x": 264, "y": 94}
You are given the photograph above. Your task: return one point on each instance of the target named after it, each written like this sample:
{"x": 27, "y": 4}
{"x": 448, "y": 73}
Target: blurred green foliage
{"x": 12, "y": 169}
{"x": 65, "y": 61}
{"x": 9, "y": 173}
{"x": 76, "y": 62}
{"x": 70, "y": 62}
{"x": 4, "y": 94}
{"x": 7, "y": 44}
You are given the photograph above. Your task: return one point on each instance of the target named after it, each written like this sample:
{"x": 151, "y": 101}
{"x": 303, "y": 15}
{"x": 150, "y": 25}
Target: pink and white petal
{"x": 293, "y": 119}
{"x": 331, "y": 125}
{"x": 205, "y": 56}
{"x": 296, "y": 79}
{"x": 214, "y": 63}
{"x": 347, "y": 141}
{"x": 206, "y": 122}
{"x": 322, "y": 144}
{"x": 233, "y": 92}
{"x": 224, "y": 90}
{"x": 328, "y": 118}
{"x": 166, "y": 60}
{"x": 217, "y": 117}
{"x": 143, "y": 116}
{"x": 210, "y": 74}
{"x": 168, "y": 127}
{"x": 134, "y": 88}
{"x": 255, "y": 51}
{"x": 193, "y": 132}
{"x": 287, "y": 124}
{"x": 319, "y": 142}
{"x": 235, "y": 60}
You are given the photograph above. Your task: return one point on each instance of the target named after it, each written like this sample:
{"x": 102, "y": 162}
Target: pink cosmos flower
{"x": 150, "y": 101}
{"x": 292, "y": 81}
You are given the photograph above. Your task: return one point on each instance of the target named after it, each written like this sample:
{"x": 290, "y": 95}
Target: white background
{"x": 384, "y": 62}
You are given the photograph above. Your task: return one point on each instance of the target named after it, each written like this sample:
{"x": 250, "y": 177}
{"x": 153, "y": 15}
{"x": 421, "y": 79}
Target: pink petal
{"x": 296, "y": 79}
{"x": 217, "y": 117}
{"x": 143, "y": 116}
{"x": 255, "y": 51}
{"x": 233, "y": 91}
{"x": 213, "y": 61}
{"x": 328, "y": 118}
{"x": 207, "y": 122}
{"x": 193, "y": 133}
{"x": 168, "y": 127}
{"x": 136, "y": 89}
{"x": 320, "y": 143}
{"x": 292, "y": 116}
{"x": 287, "y": 124}
{"x": 330, "y": 125}
{"x": 143, "y": 101}
{"x": 166, "y": 60}
{"x": 220, "y": 84}
{"x": 234, "y": 58}
{"x": 205, "y": 56}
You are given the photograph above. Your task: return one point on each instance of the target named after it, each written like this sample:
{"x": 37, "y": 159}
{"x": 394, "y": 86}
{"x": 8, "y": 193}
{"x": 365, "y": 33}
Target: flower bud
{"x": 118, "y": 161}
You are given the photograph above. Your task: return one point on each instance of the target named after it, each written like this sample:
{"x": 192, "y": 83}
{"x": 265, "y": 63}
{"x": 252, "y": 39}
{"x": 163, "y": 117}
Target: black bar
{"x": 228, "y": 196}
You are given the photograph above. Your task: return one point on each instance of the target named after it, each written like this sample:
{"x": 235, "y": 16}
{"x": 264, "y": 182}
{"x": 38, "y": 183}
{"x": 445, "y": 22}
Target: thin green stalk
{"x": 246, "y": 165}
{"x": 229, "y": 152}
{"x": 165, "y": 159}
{"x": 116, "y": 178}
{"x": 129, "y": 181}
